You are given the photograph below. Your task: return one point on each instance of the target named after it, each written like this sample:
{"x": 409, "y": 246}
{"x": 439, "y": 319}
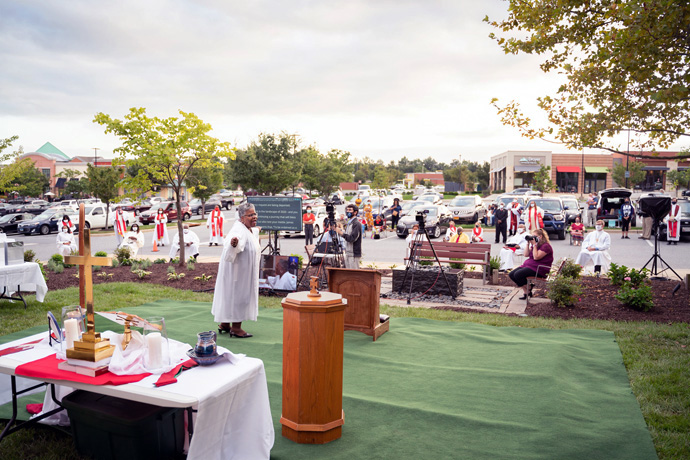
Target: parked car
{"x": 467, "y": 208}
{"x": 226, "y": 202}
{"x": 5, "y": 208}
{"x": 684, "y": 220}
{"x": 94, "y": 217}
{"x": 572, "y": 208}
{"x": 431, "y": 198}
{"x": 507, "y": 199}
{"x": 34, "y": 209}
{"x": 170, "y": 209}
{"x": 10, "y": 222}
{"x": 520, "y": 191}
{"x": 45, "y": 223}
{"x": 437, "y": 217}
{"x": 554, "y": 215}
{"x": 610, "y": 202}
{"x": 195, "y": 205}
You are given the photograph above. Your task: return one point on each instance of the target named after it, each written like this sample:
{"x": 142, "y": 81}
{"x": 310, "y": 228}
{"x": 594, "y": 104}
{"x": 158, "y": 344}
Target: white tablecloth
{"x": 27, "y": 275}
{"x": 233, "y": 418}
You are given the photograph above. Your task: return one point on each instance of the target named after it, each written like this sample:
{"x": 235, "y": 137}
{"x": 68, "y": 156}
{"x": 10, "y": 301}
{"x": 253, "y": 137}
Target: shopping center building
{"x": 575, "y": 173}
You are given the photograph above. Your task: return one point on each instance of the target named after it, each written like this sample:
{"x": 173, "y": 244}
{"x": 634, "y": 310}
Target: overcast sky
{"x": 376, "y": 78}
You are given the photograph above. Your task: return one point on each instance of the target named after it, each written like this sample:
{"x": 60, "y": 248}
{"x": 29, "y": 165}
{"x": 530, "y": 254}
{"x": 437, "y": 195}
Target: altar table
{"x": 233, "y": 418}
{"x": 27, "y": 274}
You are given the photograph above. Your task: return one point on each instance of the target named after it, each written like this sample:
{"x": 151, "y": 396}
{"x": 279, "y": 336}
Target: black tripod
{"x": 656, "y": 259}
{"x": 333, "y": 248}
{"x": 274, "y": 248}
{"x": 413, "y": 260}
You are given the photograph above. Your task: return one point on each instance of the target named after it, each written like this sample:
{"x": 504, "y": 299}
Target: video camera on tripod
{"x": 420, "y": 217}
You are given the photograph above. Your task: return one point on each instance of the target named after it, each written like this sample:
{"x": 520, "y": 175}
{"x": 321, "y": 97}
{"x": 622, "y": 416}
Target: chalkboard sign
{"x": 278, "y": 212}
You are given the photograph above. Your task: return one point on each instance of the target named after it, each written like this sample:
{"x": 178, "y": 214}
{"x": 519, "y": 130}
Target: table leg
{"x": 8, "y": 428}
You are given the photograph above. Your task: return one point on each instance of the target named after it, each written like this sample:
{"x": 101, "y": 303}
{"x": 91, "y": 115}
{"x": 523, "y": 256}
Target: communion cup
{"x": 205, "y": 344}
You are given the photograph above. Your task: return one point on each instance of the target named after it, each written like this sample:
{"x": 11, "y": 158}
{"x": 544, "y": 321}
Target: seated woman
{"x": 477, "y": 233}
{"x": 133, "y": 240}
{"x": 65, "y": 241}
{"x": 577, "y": 230}
{"x": 379, "y": 226}
{"x": 451, "y": 232}
{"x": 538, "y": 260}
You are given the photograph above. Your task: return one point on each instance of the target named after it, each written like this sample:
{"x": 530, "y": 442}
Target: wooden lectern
{"x": 312, "y": 411}
{"x": 362, "y": 289}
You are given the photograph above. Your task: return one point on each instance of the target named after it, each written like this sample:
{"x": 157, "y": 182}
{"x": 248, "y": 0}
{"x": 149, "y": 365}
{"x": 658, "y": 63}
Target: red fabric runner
{"x": 47, "y": 368}
{"x": 171, "y": 376}
{"x": 18, "y": 348}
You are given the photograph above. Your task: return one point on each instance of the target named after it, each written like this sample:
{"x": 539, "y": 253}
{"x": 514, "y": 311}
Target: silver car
{"x": 467, "y": 208}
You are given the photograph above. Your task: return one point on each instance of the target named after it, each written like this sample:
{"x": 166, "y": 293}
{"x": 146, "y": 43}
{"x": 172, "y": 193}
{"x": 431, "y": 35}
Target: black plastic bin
{"x": 105, "y": 427}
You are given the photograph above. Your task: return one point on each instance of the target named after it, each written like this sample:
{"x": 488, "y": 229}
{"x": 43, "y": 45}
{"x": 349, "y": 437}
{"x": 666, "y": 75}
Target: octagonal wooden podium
{"x": 313, "y": 331}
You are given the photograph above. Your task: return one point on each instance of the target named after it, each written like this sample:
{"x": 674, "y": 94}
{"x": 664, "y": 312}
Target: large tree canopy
{"x": 625, "y": 65}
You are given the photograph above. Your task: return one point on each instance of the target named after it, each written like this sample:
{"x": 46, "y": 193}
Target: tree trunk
{"x": 180, "y": 232}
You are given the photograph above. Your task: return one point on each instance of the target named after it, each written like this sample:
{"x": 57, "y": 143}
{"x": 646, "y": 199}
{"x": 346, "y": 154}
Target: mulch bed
{"x": 597, "y": 301}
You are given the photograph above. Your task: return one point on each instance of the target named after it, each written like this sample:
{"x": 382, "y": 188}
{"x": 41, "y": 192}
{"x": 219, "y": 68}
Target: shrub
{"x": 175, "y": 260}
{"x": 101, "y": 254}
{"x": 29, "y": 255}
{"x": 141, "y": 273}
{"x": 159, "y": 261}
{"x": 190, "y": 266}
{"x": 122, "y": 254}
{"x": 145, "y": 263}
{"x": 126, "y": 263}
{"x": 43, "y": 270}
{"x": 494, "y": 264}
{"x": 57, "y": 258}
{"x": 114, "y": 263}
{"x": 636, "y": 297}
{"x": 203, "y": 278}
{"x": 175, "y": 276}
{"x": 171, "y": 269}
{"x": 300, "y": 260}
{"x": 456, "y": 265}
{"x": 54, "y": 266}
{"x": 621, "y": 275}
{"x": 563, "y": 291}
{"x": 571, "y": 269}
{"x": 427, "y": 262}
{"x": 617, "y": 274}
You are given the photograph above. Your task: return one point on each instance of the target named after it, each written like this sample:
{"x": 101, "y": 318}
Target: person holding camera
{"x": 353, "y": 237}
{"x": 538, "y": 260}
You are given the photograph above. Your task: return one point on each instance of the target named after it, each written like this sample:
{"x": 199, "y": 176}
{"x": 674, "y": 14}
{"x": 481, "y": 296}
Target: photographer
{"x": 353, "y": 237}
{"x": 538, "y": 260}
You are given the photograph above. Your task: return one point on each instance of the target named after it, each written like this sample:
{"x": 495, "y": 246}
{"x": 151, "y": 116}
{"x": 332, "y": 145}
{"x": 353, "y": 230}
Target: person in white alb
{"x": 514, "y": 211}
{"x": 215, "y": 224}
{"x": 595, "y": 249}
{"x": 515, "y": 243}
{"x": 118, "y": 220}
{"x": 65, "y": 241}
{"x": 191, "y": 241}
{"x": 134, "y": 240}
{"x": 534, "y": 217}
{"x": 160, "y": 232}
{"x": 673, "y": 223}
{"x": 236, "y": 297}
{"x": 451, "y": 232}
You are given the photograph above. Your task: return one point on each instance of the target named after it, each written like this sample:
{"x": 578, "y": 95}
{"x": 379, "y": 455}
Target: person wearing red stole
{"x": 161, "y": 231}
{"x": 534, "y": 217}
{"x": 119, "y": 222}
{"x": 478, "y": 233}
{"x": 215, "y": 223}
{"x": 672, "y": 220}
{"x": 514, "y": 211}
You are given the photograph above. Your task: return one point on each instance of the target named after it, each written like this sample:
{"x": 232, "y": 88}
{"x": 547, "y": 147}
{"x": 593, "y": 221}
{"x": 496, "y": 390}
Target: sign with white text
{"x": 278, "y": 212}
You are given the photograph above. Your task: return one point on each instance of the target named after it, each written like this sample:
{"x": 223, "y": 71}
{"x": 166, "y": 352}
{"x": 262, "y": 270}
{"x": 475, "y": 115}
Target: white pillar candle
{"x": 153, "y": 342}
{"x": 71, "y": 332}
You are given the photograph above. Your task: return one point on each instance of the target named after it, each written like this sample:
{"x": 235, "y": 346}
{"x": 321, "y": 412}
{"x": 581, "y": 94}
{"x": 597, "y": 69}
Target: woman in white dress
{"x": 65, "y": 241}
{"x": 160, "y": 232}
{"x": 134, "y": 240}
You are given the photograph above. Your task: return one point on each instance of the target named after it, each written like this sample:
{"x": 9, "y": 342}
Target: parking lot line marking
{"x": 649, "y": 243}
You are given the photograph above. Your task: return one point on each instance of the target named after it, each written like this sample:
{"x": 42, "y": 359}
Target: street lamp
{"x": 95, "y": 156}
{"x": 627, "y": 161}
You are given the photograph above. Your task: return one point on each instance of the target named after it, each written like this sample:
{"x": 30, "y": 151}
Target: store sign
{"x": 530, "y": 161}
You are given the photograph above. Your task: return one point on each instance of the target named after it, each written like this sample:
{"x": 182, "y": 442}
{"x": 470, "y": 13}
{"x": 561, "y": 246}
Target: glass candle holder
{"x": 157, "y": 354}
{"x": 73, "y": 325}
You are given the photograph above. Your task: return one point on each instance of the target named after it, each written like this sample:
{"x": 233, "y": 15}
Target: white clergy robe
{"x": 215, "y": 224}
{"x": 602, "y": 242}
{"x": 673, "y": 223}
{"x": 133, "y": 241}
{"x": 236, "y": 297}
{"x": 65, "y": 243}
{"x": 189, "y": 237}
{"x": 160, "y": 231}
{"x": 507, "y": 255}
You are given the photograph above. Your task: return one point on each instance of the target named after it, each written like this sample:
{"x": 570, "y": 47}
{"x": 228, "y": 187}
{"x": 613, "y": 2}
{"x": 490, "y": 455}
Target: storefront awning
{"x": 497, "y": 169}
{"x": 683, "y": 168}
{"x": 655, "y": 168}
{"x": 530, "y": 168}
{"x": 597, "y": 169}
{"x": 566, "y": 169}
{"x": 61, "y": 182}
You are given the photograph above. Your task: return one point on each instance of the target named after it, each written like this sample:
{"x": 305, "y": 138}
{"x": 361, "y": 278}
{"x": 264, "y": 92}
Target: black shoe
{"x": 195, "y": 256}
{"x": 524, "y": 297}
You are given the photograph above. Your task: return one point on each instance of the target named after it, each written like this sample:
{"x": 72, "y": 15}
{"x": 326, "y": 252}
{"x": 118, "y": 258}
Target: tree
{"x": 103, "y": 183}
{"x": 679, "y": 179}
{"x": 624, "y": 63}
{"x": 31, "y": 182}
{"x": 165, "y": 149}
{"x": 382, "y": 178}
{"x": 267, "y": 165}
{"x": 542, "y": 180}
{"x": 11, "y": 166}
{"x": 637, "y": 175}
{"x": 204, "y": 182}
{"x": 325, "y": 172}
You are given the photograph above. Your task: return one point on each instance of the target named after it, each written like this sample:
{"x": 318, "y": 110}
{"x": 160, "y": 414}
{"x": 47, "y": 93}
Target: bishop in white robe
{"x": 236, "y": 297}
{"x": 595, "y": 249}
{"x": 518, "y": 243}
{"x": 191, "y": 241}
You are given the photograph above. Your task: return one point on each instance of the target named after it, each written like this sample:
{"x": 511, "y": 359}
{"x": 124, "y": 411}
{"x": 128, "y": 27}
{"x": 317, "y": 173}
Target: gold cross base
{"x": 91, "y": 348}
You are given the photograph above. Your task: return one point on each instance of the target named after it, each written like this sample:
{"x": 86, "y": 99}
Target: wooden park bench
{"x": 458, "y": 253}
{"x": 543, "y": 280}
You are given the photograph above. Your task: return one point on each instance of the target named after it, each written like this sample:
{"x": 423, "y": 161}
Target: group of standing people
{"x": 508, "y": 217}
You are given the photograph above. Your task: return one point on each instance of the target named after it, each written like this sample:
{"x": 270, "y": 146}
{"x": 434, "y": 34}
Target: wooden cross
{"x": 314, "y": 284}
{"x": 90, "y": 339}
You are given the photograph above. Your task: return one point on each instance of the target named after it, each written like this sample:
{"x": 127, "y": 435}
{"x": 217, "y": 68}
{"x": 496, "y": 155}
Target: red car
{"x": 170, "y": 209}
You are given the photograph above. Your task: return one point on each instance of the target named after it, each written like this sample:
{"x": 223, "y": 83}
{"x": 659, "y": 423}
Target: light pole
{"x": 627, "y": 161}
{"x": 95, "y": 156}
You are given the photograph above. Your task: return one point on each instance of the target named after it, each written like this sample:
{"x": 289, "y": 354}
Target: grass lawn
{"x": 656, "y": 356}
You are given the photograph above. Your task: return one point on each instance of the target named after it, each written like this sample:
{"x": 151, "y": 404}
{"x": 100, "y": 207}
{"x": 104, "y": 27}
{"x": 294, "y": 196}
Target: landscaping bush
{"x": 636, "y": 297}
{"x": 171, "y": 269}
{"x": 563, "y": 291}
{"x": 190, "y": 266}
{"x": 29, "y": 255}
{"x": 57, "y": 258}
{"x": 159, "y": 261}
{"x": 101, "y": 254}
{"x": 620, "y": 274}
{"x": 571, "y": 269}
{"x": 122, "y": 254}
{"x": 494, "y": 264}
{"x": 55, "y": 267}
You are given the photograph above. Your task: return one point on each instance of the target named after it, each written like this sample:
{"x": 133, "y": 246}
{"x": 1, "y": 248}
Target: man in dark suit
{"x": 501, "y": 219}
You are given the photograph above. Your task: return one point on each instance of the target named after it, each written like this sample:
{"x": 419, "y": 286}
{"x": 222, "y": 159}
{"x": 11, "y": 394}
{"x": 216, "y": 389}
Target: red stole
{"x": 217, "y": 223}
{"x": 533, "y": 218}
{"x": 673, "y": 224}
{"x": 120, "y": 224}
{"x": 160, "y": 227}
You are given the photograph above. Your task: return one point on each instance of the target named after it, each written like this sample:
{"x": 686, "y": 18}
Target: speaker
{"x": 656, "y": 207}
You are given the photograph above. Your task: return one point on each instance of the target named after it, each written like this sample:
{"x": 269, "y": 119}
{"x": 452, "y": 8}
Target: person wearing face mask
{"x": 478, "y": 233}
{"x": 368, "y": 216}
{"x": 353, "y": 238}
{"x": 514, "y": 211}
{"x": 626, "y": 213}
{"x": 515, "y": 243}
{"x": 501, "y": 219}
{"x": 451, "y": 231}
{"x": 595, "y": 249}
{"x": 534, "y": 217}
{"x": 191, "y": 241}
{"x": 236, "y": 297}
{"x": 134, "y": 240}
{"x": 577, "y": 231}
{"x": 66, "y": 221}
{"x": 66, "y": 244}
{"x": 308, "y": 219}
{"x": 118, "y": 220}
{"x": 538, "y": 260}
{"x": 215, "y": 223}
{"x": 160, "y": 233}
{"x": 672, "y": 220}
{"x": 410, "y": 239}
{"x": 460, "y": 237}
